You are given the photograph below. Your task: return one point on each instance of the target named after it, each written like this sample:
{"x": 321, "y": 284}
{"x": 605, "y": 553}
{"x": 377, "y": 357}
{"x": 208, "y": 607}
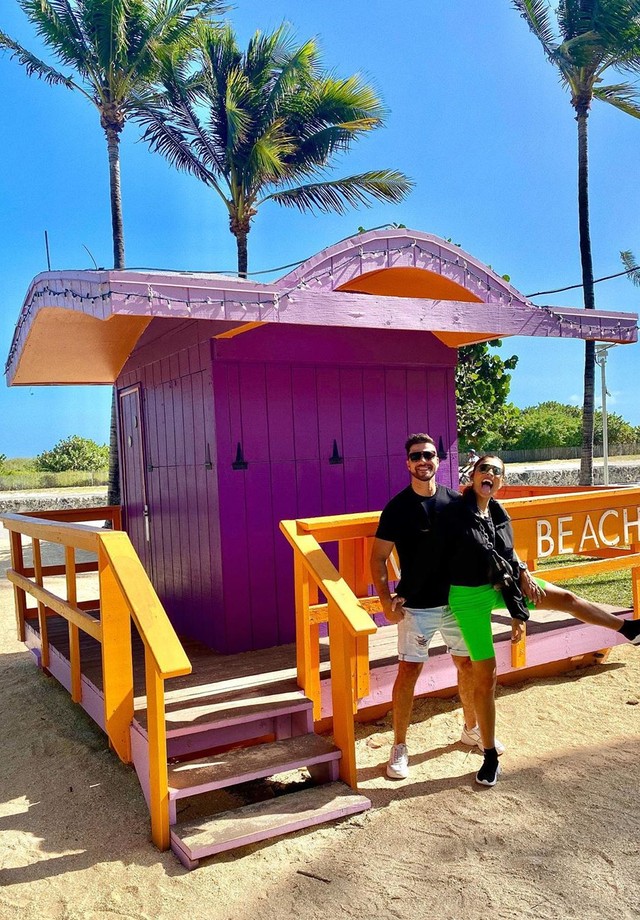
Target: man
{"x": 409, "y": 522}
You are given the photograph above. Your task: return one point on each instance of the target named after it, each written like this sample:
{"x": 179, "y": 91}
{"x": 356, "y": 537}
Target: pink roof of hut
{"x": 81, "y": 326}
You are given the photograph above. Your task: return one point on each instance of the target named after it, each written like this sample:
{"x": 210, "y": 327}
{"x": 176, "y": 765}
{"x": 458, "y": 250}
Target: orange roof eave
{"x": 67, "y": 347}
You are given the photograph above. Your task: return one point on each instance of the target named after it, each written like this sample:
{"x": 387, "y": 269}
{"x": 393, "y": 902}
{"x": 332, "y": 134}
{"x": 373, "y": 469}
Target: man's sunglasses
{"x": 490, "y": 468}
{"x": 416, "y": 455}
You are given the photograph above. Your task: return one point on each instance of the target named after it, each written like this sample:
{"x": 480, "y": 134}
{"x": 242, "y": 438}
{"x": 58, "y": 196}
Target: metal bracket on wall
{"x": 335, "y": 457}
{"x": 239, "y": 463}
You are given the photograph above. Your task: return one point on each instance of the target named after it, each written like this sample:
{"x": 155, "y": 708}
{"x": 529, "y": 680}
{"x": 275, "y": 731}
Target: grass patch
{"x": 26, "y": 480}
{"x": 609, "y": 588}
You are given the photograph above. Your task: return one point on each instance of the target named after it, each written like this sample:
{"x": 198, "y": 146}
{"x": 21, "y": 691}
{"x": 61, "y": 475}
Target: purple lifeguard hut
{"x": 241, "y": 404}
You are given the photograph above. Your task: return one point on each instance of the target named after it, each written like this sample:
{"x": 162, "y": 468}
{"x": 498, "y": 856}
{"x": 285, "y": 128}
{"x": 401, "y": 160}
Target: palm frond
{"x": 33, "y": 65}
{"x": 336, "y": 195}
{"x": 268, "y": 159}
{"x": 299, "y": 70}
{"x": 576, "y": 18}
{"x": 237, "y": 108}
{"x": 631, "y": 266}
{"x": 536, "y": 14}
{"x": 173, "y": 143}
{"x": 623, "y": 96}
{"x": 57, "y": 24}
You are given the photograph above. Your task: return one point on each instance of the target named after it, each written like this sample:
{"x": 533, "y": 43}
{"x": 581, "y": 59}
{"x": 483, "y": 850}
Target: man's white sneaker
{"x": 398, "y": 765}
{"x": 471, "y": 736}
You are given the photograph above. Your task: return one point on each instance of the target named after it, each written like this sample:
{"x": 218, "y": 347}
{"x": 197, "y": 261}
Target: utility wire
{"x": 572, "y": 287}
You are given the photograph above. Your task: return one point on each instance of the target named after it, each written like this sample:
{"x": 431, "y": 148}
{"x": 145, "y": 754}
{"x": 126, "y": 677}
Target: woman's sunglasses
{"x": 490, "y": 468}
{"x": 416, "y": 455}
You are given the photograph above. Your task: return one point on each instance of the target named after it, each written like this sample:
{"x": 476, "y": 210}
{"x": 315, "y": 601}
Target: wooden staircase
{"x": 274, "y": 725}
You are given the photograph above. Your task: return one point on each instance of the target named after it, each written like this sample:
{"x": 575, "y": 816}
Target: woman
{"x": 479, "y": 540}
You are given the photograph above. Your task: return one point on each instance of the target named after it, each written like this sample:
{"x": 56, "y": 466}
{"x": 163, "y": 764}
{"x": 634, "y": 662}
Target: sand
{"x": 558, "y": 837}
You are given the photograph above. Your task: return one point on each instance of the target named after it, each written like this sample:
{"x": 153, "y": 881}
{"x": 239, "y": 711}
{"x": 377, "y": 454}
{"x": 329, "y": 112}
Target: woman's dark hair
{"x": 469, "y": 488}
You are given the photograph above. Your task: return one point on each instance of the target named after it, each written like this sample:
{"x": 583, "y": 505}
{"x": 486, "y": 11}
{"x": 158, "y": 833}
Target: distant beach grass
{"x": 19, "y": 474}
{"x": 609, "y": 588}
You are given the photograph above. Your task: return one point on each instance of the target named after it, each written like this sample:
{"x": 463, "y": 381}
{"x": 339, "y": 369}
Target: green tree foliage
{"x": 74, "y": 453}
{"x": 265, "y": 124}
{"x": 619, "y": 431}
{"x": 549, "y": 424}
{"x": 584, "y": 39}
{"x": 485, "y": 418}
{"x": 554, "y": 424}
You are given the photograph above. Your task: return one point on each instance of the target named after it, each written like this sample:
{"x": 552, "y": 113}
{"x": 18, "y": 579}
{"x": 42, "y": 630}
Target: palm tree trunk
{"x": 243, "y": 258}
{"x": 113, "y": 485}
{"x": 117, "y": 230}
{"x": 588, "y": 405}
{"x": 113, "y": 149}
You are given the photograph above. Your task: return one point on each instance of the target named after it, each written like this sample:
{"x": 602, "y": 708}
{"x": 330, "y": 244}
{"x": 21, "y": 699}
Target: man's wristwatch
{"x": 523, "y": 566}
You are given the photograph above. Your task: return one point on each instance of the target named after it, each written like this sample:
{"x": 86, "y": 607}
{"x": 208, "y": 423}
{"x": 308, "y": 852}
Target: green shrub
{"x": 74, "y": 453}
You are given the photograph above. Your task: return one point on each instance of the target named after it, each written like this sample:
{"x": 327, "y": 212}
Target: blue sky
{"x": 476, "y": 116}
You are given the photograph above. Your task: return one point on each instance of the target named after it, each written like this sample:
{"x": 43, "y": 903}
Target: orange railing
{"x": 602, "y": 523}
{"x": 125, "y": 594}
{"x": 349, "y": 628}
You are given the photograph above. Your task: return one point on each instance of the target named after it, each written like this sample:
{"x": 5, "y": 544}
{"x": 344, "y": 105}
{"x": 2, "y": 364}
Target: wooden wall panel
{"x": 309, "y": 496}
{"x": 260, "y": 538}
{"x": 329, "y": 411}
{"x": 418, "y": 402}
{"x": 234, "y": 558}
{"x": 253, "y": 426}
{"x": 304, "y": 398}
{"x": 280, "y": 412}
{"x": 442, "y": 421}
{"x": 284, "y": 485}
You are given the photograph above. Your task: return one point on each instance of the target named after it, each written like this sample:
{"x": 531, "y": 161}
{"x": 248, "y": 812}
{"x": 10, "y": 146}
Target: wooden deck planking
{"x": 249, "y": 685}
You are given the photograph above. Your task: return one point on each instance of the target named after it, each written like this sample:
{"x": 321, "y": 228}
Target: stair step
{"x": 244, "y": 764}
{"x": 219, "y": 708}
{"x": 193, "y": 840}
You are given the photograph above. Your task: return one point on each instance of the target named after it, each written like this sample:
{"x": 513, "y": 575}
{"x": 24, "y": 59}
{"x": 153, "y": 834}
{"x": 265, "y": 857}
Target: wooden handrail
{"x": 147, "y": 612}
{"x": 125, "y": 594}
{"x": 349, "y": 628}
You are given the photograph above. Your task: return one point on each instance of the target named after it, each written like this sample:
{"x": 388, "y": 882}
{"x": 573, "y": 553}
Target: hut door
{"x": 133, "y": 478}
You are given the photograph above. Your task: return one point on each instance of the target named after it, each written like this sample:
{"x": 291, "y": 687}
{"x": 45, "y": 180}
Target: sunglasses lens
{"x": 490, "y": 468}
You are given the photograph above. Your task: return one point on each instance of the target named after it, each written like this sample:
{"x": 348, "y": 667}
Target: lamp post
{"x": 602, "y": 349}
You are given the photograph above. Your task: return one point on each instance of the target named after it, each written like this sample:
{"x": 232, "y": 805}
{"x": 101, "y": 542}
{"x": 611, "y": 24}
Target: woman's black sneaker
{"x": 488, "y": 773}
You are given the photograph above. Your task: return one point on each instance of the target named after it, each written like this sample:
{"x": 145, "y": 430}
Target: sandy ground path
{"x": 558, "y": 837}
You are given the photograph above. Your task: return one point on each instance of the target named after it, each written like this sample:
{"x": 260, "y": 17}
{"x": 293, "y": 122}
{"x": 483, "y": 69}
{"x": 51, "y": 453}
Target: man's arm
{"x": 391, "y": 607}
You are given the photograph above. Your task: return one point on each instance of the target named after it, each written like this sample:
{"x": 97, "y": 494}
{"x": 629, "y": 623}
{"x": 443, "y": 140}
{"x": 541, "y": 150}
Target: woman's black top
{"x": 467, "y": 536}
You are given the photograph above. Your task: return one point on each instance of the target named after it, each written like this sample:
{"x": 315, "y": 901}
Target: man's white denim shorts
{"x": 418, "y": 627}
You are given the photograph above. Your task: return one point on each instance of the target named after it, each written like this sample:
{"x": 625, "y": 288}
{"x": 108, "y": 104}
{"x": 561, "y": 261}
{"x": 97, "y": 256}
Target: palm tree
{"x": 115, "y": 48}
{"x": 586, "y": 39}
{"x": 259, "y": 125}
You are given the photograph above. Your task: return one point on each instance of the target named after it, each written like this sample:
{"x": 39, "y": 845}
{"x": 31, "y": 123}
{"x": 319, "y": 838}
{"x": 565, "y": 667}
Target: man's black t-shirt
{"x": 410, "y": 521}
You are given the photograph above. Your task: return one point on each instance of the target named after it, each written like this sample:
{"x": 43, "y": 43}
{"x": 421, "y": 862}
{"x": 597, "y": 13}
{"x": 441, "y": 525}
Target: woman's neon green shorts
{"x": 472, "y": 608}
